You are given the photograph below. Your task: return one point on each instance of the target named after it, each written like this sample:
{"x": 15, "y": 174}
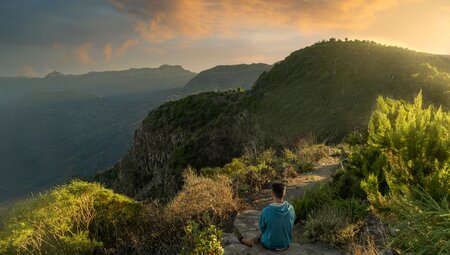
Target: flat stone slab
{"x": 247, "y": 223}
{"x": 294, "y": 249}
{"x": 236, "y": 249}
{"x": 321, "y": 249}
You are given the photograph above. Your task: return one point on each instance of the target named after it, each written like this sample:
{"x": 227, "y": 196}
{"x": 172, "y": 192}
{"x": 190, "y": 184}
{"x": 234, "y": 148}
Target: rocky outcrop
{"x": 207, "y": 129}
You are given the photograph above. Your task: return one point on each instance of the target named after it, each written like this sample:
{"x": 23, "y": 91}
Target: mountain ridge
{"x": 308, "y": 92}
{"x": 226, "y": 77}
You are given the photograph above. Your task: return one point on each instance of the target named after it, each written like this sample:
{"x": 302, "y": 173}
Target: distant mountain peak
{"x": 54, "y": 74}
{"x": 223, "y": 77}
{"x": 165, "y": 66}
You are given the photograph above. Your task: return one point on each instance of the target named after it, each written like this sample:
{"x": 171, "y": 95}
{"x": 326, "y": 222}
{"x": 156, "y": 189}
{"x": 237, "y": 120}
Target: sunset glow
{"x": 79, "y": 36}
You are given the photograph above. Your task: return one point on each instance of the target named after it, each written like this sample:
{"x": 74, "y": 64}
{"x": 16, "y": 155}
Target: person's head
{"x": 278, "y": 190}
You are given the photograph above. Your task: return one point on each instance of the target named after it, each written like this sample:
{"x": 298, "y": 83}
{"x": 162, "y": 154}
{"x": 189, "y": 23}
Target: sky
{"x": 79, "y": 36}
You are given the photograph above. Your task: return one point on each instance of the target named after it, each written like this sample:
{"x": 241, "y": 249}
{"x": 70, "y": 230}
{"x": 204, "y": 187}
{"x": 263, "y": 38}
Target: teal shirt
{"x": 276, "y": 224}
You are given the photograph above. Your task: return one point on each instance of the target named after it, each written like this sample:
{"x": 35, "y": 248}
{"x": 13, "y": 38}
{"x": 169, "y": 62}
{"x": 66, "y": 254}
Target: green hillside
{"x": 328, "y": 89}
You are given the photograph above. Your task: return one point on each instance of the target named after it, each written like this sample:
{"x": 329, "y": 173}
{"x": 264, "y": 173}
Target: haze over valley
{"x": 70, "y": 126}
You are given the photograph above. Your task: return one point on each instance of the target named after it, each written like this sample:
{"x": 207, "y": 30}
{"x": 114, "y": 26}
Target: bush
{"x": 201, "y": 240}
{"x": 200, "y": 196}
{"x": 312, "y": 200}
{"x": 332, "y": 224}
{"x": 346, "y": 184}
{"x": 357, "y": 209}
{"x": 356, "y": 138}
{"x": 413, "y": 144}
{"x": 407, "y": 146}
{"x": 77, "y": 218}
{"x": 202, "y": 200}
{"x": 423, "y": 223}
{"x": 314, "y": 153}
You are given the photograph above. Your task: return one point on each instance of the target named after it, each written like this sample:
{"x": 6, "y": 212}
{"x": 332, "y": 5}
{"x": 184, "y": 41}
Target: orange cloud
{"x": 165, "y": 20}
{"x": 127, "y": 44}
{"x": 108, "y": 51}
{"x": 82, "y": 53}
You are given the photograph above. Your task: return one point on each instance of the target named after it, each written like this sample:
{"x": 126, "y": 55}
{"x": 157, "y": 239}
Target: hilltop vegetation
{"x": 327, "y": 90}
{"x": 330, "y": 88}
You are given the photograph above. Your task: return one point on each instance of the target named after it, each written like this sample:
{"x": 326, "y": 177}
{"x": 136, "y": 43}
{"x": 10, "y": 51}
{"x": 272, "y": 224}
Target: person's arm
{"x": 293, "y": 216}
{"x": 262, "y": 223}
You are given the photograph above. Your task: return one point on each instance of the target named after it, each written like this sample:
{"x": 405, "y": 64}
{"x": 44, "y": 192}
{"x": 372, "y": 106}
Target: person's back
{"x": 276, "y": 223}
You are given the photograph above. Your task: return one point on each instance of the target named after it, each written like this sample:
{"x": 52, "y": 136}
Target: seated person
{"x": 275, "y": 223}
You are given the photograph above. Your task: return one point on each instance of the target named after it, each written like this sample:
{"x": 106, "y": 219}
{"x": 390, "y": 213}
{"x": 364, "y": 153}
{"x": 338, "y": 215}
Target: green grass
{"x": 423, "y": 224}
{"x": 77, "y": 218}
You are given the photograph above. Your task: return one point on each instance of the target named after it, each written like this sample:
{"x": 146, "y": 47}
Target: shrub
{"x": 346, "y": 184}
{"x": 332, "y": 224}
{"x": 423, "y": 223}
{"x": 312, "y": 199}
{"x": 354, "y": 206}
{"x": 407, "y": 146}
{"x": 356, "y": 138}
{"x": 204, "y": 200}
{"x": 413, "y": 144}
{"x": 314, "y": 153}
{"x": 202, "y": 240}
{"x": 200, "y": 196}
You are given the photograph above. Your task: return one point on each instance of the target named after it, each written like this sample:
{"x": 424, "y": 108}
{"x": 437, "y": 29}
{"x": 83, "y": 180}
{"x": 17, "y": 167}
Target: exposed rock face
{"x": 207, "y": 129}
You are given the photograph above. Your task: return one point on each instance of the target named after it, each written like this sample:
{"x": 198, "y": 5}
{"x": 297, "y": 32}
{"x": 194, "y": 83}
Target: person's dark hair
{"x": 278, "y": 189}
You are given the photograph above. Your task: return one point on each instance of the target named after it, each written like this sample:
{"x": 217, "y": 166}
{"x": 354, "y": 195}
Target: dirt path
{"x": 247, "y": 221}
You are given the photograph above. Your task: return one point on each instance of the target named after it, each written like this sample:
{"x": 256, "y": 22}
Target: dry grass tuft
{"x": 368, "y": 247}
{"x": 202, "y": 195}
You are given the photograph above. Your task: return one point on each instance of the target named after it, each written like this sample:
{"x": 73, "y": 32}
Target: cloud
{"x": 164, "y": 20}
{"x": 82, "y": 53}
{"x": 108, "y": 51}
{"x": 127, "y": 44}
{"x": 28, "y": 71}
